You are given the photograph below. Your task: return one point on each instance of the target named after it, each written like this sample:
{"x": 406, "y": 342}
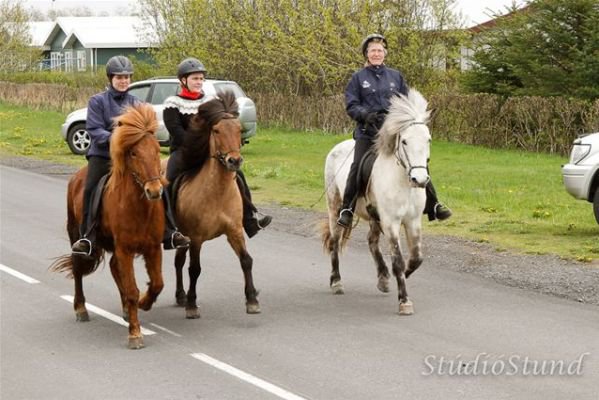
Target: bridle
{"x": 140, "y": 182}
{"x": 220, "y": 155}
{"x": 400, "y": 160}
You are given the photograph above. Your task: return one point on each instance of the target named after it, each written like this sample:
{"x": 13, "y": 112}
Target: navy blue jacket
{"x": 369, "y": 90}
{"x": 101, "y": 110}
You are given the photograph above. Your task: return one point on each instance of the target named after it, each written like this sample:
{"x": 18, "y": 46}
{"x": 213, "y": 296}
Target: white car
{"x": 155, "y": 91}
{"x": 581, "y": 174}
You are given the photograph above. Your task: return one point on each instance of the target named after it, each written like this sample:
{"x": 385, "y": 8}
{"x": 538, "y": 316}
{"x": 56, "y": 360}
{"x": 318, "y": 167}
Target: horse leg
{"x": 237, "y": 242}
{"x": 399, "y": 266}
{"x": 374, "y": 235}
{"x": 333, "y": 247}
{"x": 131, "y": 295}
{"x": 114, "y": 270}
{"x": 414, "y": 240}
{"x": 153, "y": 258}
{"x": 179, "y": 264}
{"x": 79, "y": 300}
{"x": 191, "y": 308}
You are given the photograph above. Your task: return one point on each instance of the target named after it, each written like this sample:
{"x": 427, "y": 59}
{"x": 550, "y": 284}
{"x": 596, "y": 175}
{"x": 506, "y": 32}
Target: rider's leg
{"x": 172, "y": 239}
{"x": 346, "y": 213}
{"x": 251, "y": 224}
{"x": 433, "y": 208}
{"x": 97, "y": 167}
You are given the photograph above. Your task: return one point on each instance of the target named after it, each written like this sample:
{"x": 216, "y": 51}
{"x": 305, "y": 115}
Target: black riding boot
{"x": 433, "y": 208}
{"x": 87, "y": 234}
{"x": 172, "y": 239}
{"x": 251, "y": 224}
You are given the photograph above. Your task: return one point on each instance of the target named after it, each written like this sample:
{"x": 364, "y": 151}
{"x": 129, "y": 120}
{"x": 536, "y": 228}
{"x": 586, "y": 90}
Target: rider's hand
{"x": 371, "y": 119}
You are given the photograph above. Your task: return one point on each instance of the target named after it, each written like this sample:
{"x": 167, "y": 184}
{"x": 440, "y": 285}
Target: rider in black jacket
{"x": 367, "y": 99}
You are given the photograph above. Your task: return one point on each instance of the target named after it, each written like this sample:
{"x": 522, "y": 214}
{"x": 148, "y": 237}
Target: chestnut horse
{"x": 131, "y": 220}
{"x": 209, "y": 202}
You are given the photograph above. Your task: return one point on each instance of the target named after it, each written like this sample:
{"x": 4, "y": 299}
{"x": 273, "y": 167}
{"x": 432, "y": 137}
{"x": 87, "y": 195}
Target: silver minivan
{"x": 155, "y": 91}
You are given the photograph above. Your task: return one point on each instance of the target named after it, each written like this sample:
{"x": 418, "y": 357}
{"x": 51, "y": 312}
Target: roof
{"x": 39, "y": 31}
{"x": 102, "y": 32}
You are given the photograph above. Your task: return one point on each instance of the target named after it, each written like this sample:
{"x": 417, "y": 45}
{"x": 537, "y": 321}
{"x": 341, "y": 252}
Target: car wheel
{"x": 78, "y": 139}
{"x": 596, "y": 205}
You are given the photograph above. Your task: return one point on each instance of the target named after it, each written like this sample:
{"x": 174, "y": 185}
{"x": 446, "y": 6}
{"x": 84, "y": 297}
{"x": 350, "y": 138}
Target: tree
{"x": 549, "y": 48}
{"x": 15, "y": 51}
{"x": 308, "y": 47}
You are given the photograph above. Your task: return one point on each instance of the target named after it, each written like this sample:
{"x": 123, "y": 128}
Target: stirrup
{"x": 345, "y": 213}
{"x": 83, "y": 253}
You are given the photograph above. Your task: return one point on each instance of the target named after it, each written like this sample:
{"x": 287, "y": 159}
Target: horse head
{"x": 406, "y": 137}
{"x": 134, "y": 150}
{"x": 219, "y": 117}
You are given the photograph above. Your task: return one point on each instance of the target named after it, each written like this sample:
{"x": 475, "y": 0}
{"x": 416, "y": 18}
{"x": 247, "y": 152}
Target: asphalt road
{"x": 470, "y": 338}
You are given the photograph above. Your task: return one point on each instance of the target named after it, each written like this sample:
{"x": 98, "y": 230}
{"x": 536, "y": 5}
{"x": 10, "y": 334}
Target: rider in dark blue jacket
{"x": 367, "y": 100}
{"x": 102, "y": 109}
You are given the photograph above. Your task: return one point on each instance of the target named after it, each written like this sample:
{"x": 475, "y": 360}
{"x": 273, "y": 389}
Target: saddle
{"x": 95, "y": 205}
{"x": 363, "y": 179}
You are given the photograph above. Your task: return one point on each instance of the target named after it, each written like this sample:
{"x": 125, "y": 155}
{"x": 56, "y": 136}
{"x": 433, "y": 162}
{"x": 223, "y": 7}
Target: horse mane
{"x": 403, "y": 112}
{"x": 131, "y": 126}
{"x": 196, "y": 144}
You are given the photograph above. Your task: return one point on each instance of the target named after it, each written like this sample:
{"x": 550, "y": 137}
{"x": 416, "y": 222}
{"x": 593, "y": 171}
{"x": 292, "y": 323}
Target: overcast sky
{"x": 475, "y": 11}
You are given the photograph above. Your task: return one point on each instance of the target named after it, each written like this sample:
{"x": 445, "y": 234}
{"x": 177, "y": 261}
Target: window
{"x": 55, "y": 60}
{"x": 232, "y": 86}
{"x": 141, "y": 92}
{"x": 68, "y": 61}
{"x": 81, "y": 61}
{"x": 162, "y": 91}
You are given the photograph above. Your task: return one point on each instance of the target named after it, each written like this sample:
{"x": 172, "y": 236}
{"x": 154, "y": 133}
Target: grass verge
{"x": 510, "y": 199}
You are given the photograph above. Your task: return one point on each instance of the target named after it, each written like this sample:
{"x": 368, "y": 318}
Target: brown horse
{"x": 209, "y": 202}
{"x": 131, "y": 219}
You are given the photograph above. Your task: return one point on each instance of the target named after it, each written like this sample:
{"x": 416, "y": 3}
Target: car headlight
{"x": 579, "y": 152}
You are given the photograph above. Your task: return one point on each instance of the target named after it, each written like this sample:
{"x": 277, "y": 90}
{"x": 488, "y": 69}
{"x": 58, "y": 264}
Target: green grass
{"x": 512, "y": 200}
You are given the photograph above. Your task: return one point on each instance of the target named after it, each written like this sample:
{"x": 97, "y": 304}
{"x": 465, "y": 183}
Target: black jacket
{"x": 369, "y": 90}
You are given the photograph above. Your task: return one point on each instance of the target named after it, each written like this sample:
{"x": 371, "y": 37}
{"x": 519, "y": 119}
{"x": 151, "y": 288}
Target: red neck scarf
{"x": 186, "y": 94}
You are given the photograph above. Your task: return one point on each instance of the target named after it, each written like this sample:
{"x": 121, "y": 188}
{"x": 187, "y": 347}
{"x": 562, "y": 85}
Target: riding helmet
{"x": 119, "y": 65}
{"x": 190, "y": 66}
{"x": 370, "y": 38}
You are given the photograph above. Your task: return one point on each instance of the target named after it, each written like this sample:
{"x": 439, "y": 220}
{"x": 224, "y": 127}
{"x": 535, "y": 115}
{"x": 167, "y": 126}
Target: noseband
{"x": 406, "y": 164}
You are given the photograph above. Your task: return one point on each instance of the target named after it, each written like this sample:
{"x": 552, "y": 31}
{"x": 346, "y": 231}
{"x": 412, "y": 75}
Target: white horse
{"x": 395, "y": 191}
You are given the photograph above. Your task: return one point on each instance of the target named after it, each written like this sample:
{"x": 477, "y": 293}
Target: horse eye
{"x": 404, "y": 142}
{"x": 133, "y": 154}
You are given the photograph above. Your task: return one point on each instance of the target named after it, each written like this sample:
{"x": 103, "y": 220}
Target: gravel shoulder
{"x": 545, "y": 274}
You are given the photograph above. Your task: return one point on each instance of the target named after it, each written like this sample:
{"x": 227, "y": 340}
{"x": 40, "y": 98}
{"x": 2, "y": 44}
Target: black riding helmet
{"x": 118, "y": 65}
{"x": 190, "y": 66}
{"x": 370, "y": 38}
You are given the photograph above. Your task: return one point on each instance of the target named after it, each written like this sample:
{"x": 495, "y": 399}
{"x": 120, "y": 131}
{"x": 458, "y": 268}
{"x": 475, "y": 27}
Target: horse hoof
{"x": 82, "y": 316}
{"x": 406, "y": 308}
{"x": 192, "y": 313}
{"x": 337, "y": 288}
{"x": 252, "y": 308}
{"x": 136, "y": 343}
{"x": 383, "y": 285}
{"x": 181, "y": 300}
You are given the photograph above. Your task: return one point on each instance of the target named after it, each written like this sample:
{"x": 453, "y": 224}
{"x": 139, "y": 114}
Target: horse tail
{"x": 66, "y": 264}
{"x": 329, "y": 241}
